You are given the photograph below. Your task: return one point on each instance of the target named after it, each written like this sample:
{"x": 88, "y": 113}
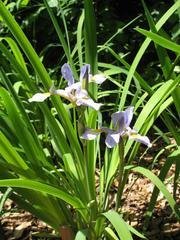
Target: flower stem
{"x": 120, "y": 174}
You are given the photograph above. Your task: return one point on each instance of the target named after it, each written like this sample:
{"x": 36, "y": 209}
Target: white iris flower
{"x": 121, "y": 122}
{"x": 74, "y": 92}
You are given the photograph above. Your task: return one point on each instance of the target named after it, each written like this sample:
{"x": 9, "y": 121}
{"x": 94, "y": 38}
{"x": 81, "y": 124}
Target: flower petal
{"x": 89, "y": 103}
{"x": 67, "y": 74}
{"x": 128, "y": 115}
{"x": 142, "y": 139}
{"x": 112, "y": 139}
{"x": 75, "y": 86}
{"x": 90, "y": 134}
{"x": 122, "y": 120}
{"x": 98, "y": 78}
{"x": 81, "y": 93}
{"x": 62, "y": 93}
{"x": 84, "y": 74}
{"x": 118, "y": 119}
{"x": 39, "y": 97}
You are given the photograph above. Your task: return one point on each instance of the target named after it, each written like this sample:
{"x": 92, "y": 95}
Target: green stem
{"x": 120, "y": 174}
{"x": 74, "y": 119}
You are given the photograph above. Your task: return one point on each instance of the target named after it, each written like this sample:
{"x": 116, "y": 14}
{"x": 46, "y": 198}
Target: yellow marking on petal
{"x": 134, "y": 135}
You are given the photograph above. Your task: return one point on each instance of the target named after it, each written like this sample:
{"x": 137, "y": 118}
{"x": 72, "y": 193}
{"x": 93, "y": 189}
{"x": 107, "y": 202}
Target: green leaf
{"x": 44, "y": 188}
{"x": 90, "y": 35}
{"x": 66, "y": 47}
{"x": 4, "y": 197}
{"x": 53, "y": 3}
{"x": 119, "y": 224}
{"x": 10, "y": 154}
{"x": 22, "y": 3}
{"x": 80, "y": 235}
{"x": 160, "y": 40}
{"x": 134, "y": 231}
{"x": 79, "y": 39}
{"x": 110, "y": 233}
{"x": 141, "y": 51}
{"x": 16, "y": 52}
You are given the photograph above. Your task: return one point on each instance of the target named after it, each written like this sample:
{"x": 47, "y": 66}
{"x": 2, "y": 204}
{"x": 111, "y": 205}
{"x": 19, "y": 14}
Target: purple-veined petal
{"x": 118, "y": 119}
{"x": 90, "y": 134}
{"x": 122, "y": 120}
{"x": 98, "y": 78}
{"x": 81, "y": 93}
{"x": 112, "y": 139}
{"x": 142, "y": 139}
{"x": 39, "y": 97}
{"x": 75, "y": 86}
{"x": 67, "y": 74}
{"x": 128, "y": 115}
{"x": 89, "y": 103}
{"x": 84, "y": 74}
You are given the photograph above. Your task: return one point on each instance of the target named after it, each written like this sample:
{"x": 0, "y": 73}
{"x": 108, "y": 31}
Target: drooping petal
{"x": 62, "y": 93}
{"x": 39, "y": 97}
{"x": 67, "y": 74}
{"x": 142, "y": 139}
{"x": 85, "y": 71}
{"x": 128, "y": 115}
{"x": 112, "y": 139}
{"x": 89, "y": 103}
{"x": 98, "y": 78}
{"x": 90, "y": 134}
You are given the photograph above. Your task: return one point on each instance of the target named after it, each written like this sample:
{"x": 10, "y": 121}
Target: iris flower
{"x": 121, "y": 122}
{"x": 76, "y": 93}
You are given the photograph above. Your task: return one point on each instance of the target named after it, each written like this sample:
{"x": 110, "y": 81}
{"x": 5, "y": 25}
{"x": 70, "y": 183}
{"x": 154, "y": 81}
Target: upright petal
{"x": 80, "y": 93}
{"x": 112, "y": 139}
{"x": 128, "y": 115}
{"x": 39, "y": 97}
{"x": 67, "y": 74}
{"x": 118, "y": 119}
{"x": 85, "y": 71}
{"x": 75, "y": 86}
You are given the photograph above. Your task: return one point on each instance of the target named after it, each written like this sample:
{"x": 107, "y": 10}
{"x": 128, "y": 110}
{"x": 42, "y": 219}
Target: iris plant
{"x": 121, "y": 122}
{"x": 76, "y": 93}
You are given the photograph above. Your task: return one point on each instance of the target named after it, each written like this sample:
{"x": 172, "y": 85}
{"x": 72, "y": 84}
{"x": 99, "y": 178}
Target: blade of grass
{"x": 16, "y": 52}
{"x": 119, "y": 224}
{"x": 80, "y": 39}
{"x": 166, "y": 63}
{"x": 90, "y": 36}
{"x": 43, "y": 75}
{"x": 141, "y": 51}
{"x": 160, "y": 40}
{"x": 60, "y": 34}
{"x": 44, "y": 188}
